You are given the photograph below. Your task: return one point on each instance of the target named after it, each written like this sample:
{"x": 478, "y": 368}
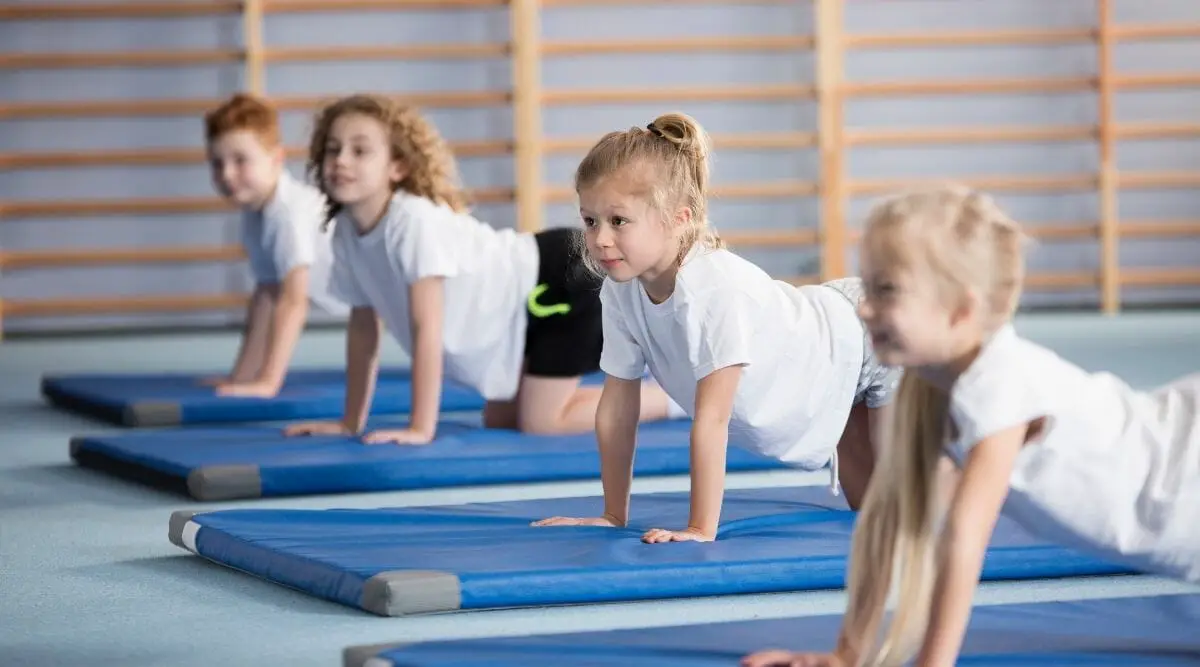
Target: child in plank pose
{"x": 1079, "y": 458}
{"x": 513, "y": 315}
{"x": 288, "y": 253}
{"x": 785, "y": 371}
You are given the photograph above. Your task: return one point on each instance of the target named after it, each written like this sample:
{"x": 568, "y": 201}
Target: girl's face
{"x": 625, "y": 234}
{"x": 357, "y": 164}
{"x": 244, "y": 169}
{"x": 910, "y": 320}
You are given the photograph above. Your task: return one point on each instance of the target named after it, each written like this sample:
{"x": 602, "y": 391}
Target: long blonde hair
{"x": 965, "y": 242}
{"x": 415, "y": 141}
{"x": 676, "y": 149}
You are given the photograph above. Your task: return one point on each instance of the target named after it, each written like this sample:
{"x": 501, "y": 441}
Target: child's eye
{"x": 884, "y": 289}
{"x": 617, "y": 222}
{"x": 589, "y": 222}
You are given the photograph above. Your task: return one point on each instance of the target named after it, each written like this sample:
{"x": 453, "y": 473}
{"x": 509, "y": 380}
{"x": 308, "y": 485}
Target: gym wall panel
{"x": 817, "y": 108}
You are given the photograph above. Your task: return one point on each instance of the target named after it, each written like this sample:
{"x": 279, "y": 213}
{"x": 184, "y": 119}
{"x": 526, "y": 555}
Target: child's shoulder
{"x": 1012, "y": 375}
{"x": 718, "y": 272}
{"x": 290, "y": 190}
{"x": 411, "y": 213}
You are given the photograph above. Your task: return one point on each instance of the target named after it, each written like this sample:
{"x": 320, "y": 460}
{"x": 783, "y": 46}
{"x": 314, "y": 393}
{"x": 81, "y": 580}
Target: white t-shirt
{"x": 287, "y": 234}
{"x": 802, "y": 349}
{"x": 489, "y": 273}
{"x": 1114, "y": 472}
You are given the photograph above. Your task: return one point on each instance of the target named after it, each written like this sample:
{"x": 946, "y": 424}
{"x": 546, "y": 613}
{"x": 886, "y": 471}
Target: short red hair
{"x": 243, "y": 111}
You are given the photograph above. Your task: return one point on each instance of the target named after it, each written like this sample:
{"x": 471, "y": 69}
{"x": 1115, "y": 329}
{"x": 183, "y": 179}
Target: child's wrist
{"x": 614, "y": 519}
{"x": 710, "y": 533}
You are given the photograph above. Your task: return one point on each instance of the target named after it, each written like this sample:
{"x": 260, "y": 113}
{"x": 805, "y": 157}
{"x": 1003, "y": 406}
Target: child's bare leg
{"x": 561, "y": 405}
{"x": 856, "y": 455}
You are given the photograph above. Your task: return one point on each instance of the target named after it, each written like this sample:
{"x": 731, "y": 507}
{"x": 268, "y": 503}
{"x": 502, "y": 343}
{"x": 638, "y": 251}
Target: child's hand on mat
{"x": 606, "y": 521}
{"x": 317, "y": 428}
{"x": 657, "y": 535}
{"x": 789, "y": 659}
{"x": 255, "y": 389}
{"x": 404, "y": 436}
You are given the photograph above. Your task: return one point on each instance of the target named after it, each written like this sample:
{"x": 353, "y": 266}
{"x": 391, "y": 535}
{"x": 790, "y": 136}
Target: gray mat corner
{"x": 407, "y": 592}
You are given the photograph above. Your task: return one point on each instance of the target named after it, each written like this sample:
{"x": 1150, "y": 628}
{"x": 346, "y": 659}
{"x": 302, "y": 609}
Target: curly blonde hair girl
{"x": 431, "y": 169}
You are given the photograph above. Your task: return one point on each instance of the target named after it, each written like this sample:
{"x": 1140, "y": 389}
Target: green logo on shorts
{"x": 542, "y": 310}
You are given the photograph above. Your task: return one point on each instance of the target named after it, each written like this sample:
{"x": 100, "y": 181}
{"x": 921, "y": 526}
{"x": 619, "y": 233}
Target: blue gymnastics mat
{"x": 395, "y": 562}
{"x": 1152, "y": 631}
{"x": 257, "y": 462}
{"x": 177, "y": 399}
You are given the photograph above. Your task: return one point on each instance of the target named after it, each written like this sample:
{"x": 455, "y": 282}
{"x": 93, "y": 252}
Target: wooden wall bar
{"x": 832, "y": 139}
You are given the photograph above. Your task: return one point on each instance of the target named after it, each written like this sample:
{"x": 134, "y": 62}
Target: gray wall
{"x": 600, "y": 22}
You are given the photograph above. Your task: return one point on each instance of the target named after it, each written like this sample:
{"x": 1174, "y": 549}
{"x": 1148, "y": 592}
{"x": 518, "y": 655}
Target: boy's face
{"x": 244, "y": 170}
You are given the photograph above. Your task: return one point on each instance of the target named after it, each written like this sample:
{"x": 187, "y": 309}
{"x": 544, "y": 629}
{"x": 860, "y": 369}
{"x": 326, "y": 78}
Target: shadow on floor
{"x": 60, "y": 484}
{"x": 193, "y": 579}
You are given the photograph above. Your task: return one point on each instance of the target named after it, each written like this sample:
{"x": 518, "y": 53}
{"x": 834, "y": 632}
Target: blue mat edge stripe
{"x": 275, "y": 484}
{"x": 1000, "y": 564}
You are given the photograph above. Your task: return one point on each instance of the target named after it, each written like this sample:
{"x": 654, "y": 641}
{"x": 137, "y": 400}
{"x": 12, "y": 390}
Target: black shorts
{"x": 565, "y": 333}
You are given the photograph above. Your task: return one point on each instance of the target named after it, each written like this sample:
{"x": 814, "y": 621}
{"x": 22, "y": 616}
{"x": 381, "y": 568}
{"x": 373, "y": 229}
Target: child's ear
{"x": 971, "y": 308}
{"x": 279, "y": 156}
{"x": 399, "y": 171}
{"x": 683, "y": 217}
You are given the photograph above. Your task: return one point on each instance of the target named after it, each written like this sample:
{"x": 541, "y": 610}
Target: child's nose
{"x": 864, "y": 309}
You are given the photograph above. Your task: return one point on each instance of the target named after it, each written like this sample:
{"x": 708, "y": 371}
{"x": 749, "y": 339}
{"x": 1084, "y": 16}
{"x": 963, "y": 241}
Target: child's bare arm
{"x": 973, "y": 512}
{"x": 710, "y": 437}
{"x": 616, "y": 434}
{"x": 362, "y": 367}
{"x": 255, "y": 333}
{"x": 280, "y": 332}
{"x": 425, "y": 299}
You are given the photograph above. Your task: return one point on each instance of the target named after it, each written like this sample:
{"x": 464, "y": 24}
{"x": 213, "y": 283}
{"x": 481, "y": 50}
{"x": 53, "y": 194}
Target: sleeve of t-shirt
{"x": 343, "y": 284}
{"x": 620, "y": 356}
{"x": 425, "y": 245}
{"x": 722, "y": 327}
{"x": 294, "y": 238}
{"x": 991, "y": 401}
{"x": 262, "y": 269}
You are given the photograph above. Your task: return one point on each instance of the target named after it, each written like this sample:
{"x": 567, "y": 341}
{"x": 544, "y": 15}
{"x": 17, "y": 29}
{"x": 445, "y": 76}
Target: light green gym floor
{"x": 87, "y": 576}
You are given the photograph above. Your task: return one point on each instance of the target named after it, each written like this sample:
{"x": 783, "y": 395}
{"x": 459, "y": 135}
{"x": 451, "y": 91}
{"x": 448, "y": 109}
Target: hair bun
{"x": 683, "y": 131}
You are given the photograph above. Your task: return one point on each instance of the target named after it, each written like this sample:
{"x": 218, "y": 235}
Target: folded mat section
{"x": 175, "y": 399}
{"x": 395, "y": 562}
{"x": 253, "y": 462}
{"x": 1151, "y": 631}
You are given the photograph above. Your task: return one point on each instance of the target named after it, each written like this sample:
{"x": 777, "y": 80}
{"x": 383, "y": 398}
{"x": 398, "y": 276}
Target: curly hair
{"x": 431, "y": 169}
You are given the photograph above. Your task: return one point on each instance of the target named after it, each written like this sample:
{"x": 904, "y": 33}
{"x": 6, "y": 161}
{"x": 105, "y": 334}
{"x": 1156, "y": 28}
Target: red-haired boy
{"x": 288, "y": 253}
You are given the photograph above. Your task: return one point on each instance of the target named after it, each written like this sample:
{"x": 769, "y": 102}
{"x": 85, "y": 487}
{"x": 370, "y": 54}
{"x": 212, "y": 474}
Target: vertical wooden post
{"x": 830, "y": 137}
{"x": 252, "y": 40}
{"x": 1, "y": 282}
{"x": 1109, "y": 233}
{"x": 527, "y": 113}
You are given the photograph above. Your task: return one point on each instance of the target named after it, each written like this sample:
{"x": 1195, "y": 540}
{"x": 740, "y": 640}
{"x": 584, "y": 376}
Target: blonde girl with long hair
{"x": 513, "y": 315}
{"x": 758, "y": 363}
{"x": 1078, "y": 458}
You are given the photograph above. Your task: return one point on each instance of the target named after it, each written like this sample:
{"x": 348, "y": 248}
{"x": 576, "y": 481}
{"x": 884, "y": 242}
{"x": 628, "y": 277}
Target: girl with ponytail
{"x": 784, "y": 371}
{"x": 1078, "y": 458}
